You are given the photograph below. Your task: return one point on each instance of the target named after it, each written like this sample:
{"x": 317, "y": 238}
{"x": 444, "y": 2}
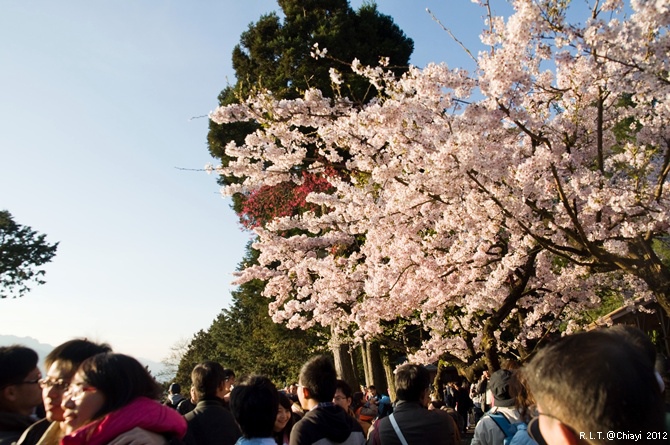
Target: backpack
{"x": 515, "y": 433}
{"x": 184, "y": 406}
{"x": 368, "y": 412}
{"x": 385, "y": 408}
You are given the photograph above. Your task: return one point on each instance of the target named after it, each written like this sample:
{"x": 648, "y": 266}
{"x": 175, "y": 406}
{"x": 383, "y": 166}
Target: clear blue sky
{"x": 95, "y": 105}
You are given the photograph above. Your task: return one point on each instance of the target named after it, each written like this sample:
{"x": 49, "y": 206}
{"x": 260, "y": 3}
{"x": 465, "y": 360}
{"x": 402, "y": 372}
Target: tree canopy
{"x": 22, "y": 252}
{"x": 275, "y": 54}
{"x": 491, "y": 208}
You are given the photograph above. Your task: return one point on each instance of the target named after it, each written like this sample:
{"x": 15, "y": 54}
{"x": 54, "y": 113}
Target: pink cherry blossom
{"x": 475, "y": 204}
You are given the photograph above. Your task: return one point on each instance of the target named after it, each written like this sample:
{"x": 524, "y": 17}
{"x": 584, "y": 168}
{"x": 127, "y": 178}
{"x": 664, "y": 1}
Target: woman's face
{"x": 283, "y": 416}
{"x": 80, "y": 403}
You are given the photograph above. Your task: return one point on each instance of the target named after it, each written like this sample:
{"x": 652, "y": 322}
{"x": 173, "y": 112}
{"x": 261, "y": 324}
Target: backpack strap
{"x": 397, "y": 430}
{"x": 502, "y": 422}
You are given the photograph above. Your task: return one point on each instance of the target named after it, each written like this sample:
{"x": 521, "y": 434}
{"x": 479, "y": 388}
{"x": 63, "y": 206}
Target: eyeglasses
{"x": 59, "y": 385}
{"x": 24, "y": 382}
{"x": 77, "y": 390}
{"x": 30, "y": 382}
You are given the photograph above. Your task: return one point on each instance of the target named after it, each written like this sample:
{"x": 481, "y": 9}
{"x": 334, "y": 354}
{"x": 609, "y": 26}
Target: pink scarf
{"x": 141, "y": 412}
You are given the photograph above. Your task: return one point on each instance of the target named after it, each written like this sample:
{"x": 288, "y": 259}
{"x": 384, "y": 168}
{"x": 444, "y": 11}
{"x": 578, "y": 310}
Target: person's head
{"x": 518, "y": 390}
{"x": 61, "y": 364}
{"x": 254, "y": 404}
{"x": 19, "y": 380}
{"x": 104, "y": 383}
{"x": 317, "y": 381}
{"x": 357, "y": 400}
{"x": 208, "y": 380}
{"x": 229, "y": 378}
{"x": 412, "y": 384}
{"x": 593, "y": 381}
{"x": 435, "y": 404}
{"x": 499, "y": 386}
{"x": 343, "y": 395}
{"x": 284, "y": 414}
{"x": 372, "y": 390}
{"x": 175, "y": 388}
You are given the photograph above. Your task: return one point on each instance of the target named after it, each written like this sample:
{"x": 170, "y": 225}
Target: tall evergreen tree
{"x": 276, "y": 54}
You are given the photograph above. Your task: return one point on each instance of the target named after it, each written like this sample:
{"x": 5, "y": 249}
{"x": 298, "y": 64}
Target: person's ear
{"x": 305, "y": 392}
{"x": 425, "y": 397}
{"x": 568, "y": 435}
{"x": 9, "y": 393}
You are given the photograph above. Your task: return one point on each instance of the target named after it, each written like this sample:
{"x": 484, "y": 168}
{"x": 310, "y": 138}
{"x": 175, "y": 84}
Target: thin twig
{"x": 451, "y": 34}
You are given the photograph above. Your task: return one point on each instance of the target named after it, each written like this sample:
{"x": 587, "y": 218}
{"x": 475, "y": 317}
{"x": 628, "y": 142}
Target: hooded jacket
{"x": 326, "y": 425}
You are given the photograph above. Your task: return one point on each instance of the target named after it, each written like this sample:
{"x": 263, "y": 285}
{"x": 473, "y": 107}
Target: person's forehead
{"x": 58, "y": 371}
{"x": 77, "y": 378}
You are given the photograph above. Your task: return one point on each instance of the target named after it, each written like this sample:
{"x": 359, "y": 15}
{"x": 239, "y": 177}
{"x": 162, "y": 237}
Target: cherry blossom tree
{"x": 488, "y": 208}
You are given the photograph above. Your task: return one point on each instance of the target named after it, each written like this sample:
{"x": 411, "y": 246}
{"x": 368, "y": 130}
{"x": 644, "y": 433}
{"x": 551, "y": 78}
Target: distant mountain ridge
{"x": 44, "y": 349}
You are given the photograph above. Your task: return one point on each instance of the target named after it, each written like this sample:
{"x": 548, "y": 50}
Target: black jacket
{"x": 35, "y": 432}
{"x": 419, "y": 425}
{"x": 326, "y": 425}
{"x": 211, "y": 424}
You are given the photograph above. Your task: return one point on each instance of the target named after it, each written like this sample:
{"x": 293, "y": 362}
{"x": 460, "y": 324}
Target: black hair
{"x": 594, "y": 381}
{"x": 70, "y": 354}
{"x": 16, "y": 362}
{"x": 120, "y": 378}
{"x": 357, "y": 400}
{"x": 207, "y": 378}
{"x": 411, "y": 381}
{"x": 254, "y": 403}
{"x": 284, "y": 400}
{"x": 345, "y": 388}
{"x": 319, "y": 376}
{"x": 636, "y": 337}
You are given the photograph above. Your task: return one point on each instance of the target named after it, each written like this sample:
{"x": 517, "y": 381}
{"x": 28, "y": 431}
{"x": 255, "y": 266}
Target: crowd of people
{"x": 597, "y": 387}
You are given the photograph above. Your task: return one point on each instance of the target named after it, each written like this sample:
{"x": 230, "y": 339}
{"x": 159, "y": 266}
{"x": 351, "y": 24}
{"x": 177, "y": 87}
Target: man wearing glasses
{"x": 598, "y": 388}
{"x": 20, "y": 392}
